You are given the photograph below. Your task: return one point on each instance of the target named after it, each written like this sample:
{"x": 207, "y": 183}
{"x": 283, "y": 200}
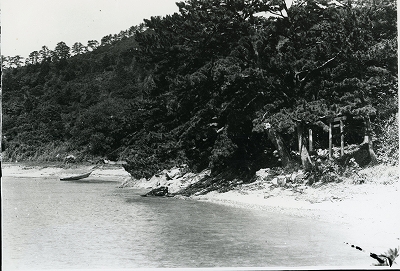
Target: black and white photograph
{"x": 201, "y": 134}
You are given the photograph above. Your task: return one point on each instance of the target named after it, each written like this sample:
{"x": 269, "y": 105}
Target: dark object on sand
{"x": 382, "y": 259}
{"x": 80, "y": 176}
{"x": 76, "y": 177}
{"x": 158, "y": 192}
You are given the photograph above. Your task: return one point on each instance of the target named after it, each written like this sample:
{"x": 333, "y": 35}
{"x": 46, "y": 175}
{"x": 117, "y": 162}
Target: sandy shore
{"x": 373, "y": 205}
{"x": 370, "y": 209}
{"x": 110, "y": 172}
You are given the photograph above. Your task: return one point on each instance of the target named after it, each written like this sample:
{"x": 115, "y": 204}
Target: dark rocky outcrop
{"x": 360, "y": 153}
{"x": 161, "y": 191}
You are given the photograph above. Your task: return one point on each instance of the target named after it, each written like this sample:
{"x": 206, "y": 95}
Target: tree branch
{"x": 309, "y": 72}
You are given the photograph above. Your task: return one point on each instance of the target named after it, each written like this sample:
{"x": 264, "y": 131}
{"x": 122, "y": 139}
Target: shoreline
{"x": 369, "y": 214}
{"x": 26, "y": 170}
{"x": 371, "y": 208}
{"x": 379, "y": 212}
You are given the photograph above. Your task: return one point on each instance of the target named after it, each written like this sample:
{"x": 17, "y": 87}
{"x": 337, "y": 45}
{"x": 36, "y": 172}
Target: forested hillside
{"x": 224, "y": 84}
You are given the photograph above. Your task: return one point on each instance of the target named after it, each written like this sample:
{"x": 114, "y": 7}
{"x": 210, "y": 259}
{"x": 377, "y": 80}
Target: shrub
{"x": 388, "y": 144}
{"x": 325, "y": 172}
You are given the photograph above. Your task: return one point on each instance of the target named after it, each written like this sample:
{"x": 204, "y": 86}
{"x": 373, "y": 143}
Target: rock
{"x": 199, "y": 176}
{"x": 281, "y": 180}
{"x": 263, "y": 173}
{"x": 292, "y": 177}
{"x": 201, "y": 192}
{"x": 174, "y": 187}
{"x": 300, "y": 176}
{"x": 127, "y": 182}
{"x": 187, "y": 177}
{"x": 114, "y": 162}
{"x": 356, "y": 153}
{"x": 180, "y": 181}
{"x": 274, "y": 181}
{"x": 158, "y": 180}
{"x": 158, "y": 192}
{"x": 70, "y": 158}
{"x": 267, "y": 195}
{"x": 174, "y": 173}
{"x": 178, "y": 184}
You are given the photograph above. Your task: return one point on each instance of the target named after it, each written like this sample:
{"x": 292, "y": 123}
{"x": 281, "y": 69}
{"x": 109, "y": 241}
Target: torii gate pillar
{"x": 341, "y": 125}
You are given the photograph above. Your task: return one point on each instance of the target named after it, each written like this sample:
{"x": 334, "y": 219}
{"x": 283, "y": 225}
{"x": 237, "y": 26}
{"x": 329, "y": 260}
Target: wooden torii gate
{"x": 333, "y": 123}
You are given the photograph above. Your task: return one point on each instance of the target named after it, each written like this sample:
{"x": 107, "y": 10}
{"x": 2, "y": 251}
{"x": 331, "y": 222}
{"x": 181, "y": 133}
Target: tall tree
{"x": 16, "y": 61}
{"x": 78, "y": 48}
{"x": 5, "y": 62}
{"x": 107, "y": 40}
{"x": 61, "y": 51}
{"x": 321, "y": 61}
{"x": 34, "y": 58}
{"x": 204, "y": 61}
{"x": 45, "y": 54}
{"x": 92, "y": 44}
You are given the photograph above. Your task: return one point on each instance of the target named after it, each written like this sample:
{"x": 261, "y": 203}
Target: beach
{"x": 25, "y": 170}
{"x": 371, "y": 209}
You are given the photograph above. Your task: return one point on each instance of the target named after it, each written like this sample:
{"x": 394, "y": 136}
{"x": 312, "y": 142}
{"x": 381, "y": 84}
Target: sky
{"x": 27, "y": 25}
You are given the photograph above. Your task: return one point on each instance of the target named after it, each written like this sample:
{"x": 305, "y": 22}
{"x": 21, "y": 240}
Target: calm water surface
{"x": 79, "y": 225}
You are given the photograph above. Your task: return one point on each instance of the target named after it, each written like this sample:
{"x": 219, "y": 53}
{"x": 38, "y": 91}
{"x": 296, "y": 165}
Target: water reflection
{"x": 90, "y": 181}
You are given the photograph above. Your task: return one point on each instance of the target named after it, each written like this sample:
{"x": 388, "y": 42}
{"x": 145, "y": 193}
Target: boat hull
{"x": 77, "y": 177}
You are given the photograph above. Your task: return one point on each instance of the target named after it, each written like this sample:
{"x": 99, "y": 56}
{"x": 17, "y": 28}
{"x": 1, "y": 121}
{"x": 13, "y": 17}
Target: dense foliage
{"x": 200, "y": 86}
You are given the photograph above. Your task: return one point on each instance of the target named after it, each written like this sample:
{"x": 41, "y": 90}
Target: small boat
{"x": 76, "y": 177}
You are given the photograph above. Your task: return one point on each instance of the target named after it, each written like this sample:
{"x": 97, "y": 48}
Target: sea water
{"x": 49, "y": 224}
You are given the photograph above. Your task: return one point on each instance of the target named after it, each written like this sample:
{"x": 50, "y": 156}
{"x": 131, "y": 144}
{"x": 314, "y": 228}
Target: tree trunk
{"x": 304, "y": 155}
{"x": 330, "y": 140}
{"x": 305, "y": 158}
{"x": 1, "y": 129}
{"x": 280, "y": 146}
{"x": 368, "y": 140}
